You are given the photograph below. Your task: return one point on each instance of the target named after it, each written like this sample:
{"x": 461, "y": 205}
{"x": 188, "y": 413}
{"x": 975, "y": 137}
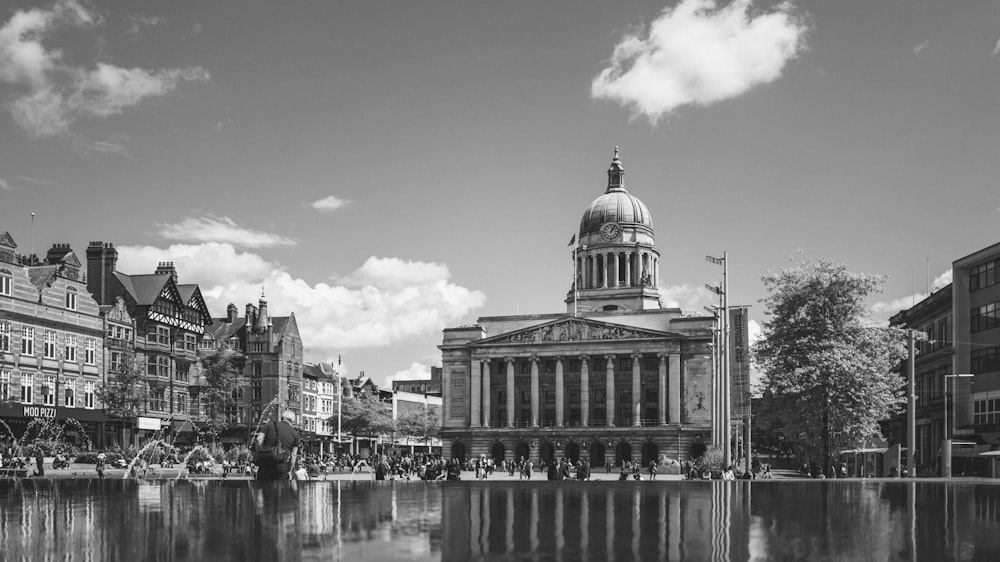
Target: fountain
{"x": 146, "y": 447}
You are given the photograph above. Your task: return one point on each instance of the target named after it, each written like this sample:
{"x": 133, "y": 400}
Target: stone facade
{"x": 617, "y": 377}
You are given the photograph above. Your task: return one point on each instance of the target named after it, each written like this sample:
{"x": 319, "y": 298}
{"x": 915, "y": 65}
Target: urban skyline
{"x": 388, "y": 171}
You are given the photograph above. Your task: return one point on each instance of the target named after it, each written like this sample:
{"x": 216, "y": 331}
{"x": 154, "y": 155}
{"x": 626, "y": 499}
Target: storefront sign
{"x": 147, "y": 423}
{"x": 39, "y": 412}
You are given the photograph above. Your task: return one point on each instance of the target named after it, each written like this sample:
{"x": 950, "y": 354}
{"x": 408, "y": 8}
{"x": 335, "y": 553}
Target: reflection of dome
{"x": 616, "y": 205}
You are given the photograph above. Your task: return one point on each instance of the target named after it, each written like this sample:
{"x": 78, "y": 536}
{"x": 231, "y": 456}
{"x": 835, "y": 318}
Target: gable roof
{"x": 144, "y": 289}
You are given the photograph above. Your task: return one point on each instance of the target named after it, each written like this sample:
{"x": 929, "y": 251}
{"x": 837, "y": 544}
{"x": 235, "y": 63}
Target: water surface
{"x": 222, "y": 520}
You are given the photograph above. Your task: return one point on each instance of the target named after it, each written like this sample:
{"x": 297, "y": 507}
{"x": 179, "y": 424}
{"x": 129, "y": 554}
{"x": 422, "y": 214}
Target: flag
{"x": 572, "y": 240}
{"x": 716, "y": 261}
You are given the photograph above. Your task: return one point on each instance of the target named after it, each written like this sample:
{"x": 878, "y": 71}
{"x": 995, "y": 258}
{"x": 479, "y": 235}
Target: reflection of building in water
{"x": 615, "y": 377}
{"x": 630, "y": 522}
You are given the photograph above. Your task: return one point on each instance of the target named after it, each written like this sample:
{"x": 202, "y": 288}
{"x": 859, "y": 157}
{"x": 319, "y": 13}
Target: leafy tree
{"x": 826, "y": 364}
{"x": 364, "y": 416}
{"x": 223, "y": 380}
{"x": 125, "y": 391}
{"x": 420, "y": 423}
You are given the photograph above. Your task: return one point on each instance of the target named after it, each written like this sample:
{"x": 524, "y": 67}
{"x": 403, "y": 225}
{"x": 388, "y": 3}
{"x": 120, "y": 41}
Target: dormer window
{"x": 71, "y": 298}
{"x": 5, "y": 282}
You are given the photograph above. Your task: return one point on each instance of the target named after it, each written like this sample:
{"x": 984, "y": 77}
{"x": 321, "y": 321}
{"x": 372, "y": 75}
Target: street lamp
{"x": 946, "y": 443}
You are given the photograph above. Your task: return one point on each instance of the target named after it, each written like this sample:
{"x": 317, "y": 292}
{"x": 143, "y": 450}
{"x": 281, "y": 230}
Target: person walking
{"x": 99, "y": 464}
{"x": 268, "y": 438}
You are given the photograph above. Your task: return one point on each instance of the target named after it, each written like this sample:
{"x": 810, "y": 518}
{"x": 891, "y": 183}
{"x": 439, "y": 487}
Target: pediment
{"x": 71, "y": 260}
{"x": 575, "y": 329}
{"x": 7, "y": 240}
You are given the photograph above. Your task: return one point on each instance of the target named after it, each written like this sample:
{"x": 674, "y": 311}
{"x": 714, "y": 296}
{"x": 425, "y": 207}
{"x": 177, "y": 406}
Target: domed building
{"x": 616, "y": 377}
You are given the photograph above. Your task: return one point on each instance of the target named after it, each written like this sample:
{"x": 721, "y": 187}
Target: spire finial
{"x": 616, "y": 173}
{"x": 261, "y": 292}
{"x": 616, "y": 152}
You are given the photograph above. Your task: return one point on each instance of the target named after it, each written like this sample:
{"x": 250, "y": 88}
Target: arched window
{"x": 71, "y": 298}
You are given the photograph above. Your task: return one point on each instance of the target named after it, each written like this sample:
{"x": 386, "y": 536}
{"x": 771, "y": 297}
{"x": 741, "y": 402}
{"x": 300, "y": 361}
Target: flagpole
{"x": 576, "y": 289}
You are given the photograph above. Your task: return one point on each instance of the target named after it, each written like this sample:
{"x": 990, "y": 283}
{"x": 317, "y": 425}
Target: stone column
{"x": 584, "y": 391}
{"x": 593, "y": 271}
{"x": 636, "y": 389}
{"x": 609, "y": 392}
{"x": 661, "y": 393}
{"x": 675, "y": 387}
{"x": 445, "y": 395}
{"x": 487, "y": 398}
{"x": 560, "y": 393}
{"x": 656, "y": 272}
{"x": 476, "y": 393}
{"x": 605, "y": 255}
{"x": 628, "y": 269}
{"x": 534, "y": 391}
{"x": 616, "y": 270}
{"x": 510, "y": 391}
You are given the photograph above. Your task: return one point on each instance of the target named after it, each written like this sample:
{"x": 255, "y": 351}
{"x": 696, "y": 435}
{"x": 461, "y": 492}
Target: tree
{"x": 219, "y": 395}
{"x": 364, "y": 416}
{"x": 125, "y": 391}
{"x": 824, "y": 360}
{"x": 420, "y": 423}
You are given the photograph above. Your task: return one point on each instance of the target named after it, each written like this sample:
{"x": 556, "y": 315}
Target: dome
{"x": 616, "y": 205}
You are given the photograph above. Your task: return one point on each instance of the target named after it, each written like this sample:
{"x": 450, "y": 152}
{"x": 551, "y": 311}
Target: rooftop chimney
{"x": 102, "y": 259}
{"x": 166, "y": 268}
{"x": 231, "y": 313}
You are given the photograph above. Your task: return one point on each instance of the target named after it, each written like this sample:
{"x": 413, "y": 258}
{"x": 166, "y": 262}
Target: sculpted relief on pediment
{"x": 574, "y": 330}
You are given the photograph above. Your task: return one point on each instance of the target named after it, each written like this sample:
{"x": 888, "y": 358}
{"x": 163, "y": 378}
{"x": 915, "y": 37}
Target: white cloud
{"x": 136, "y": 23}
{"x": 920, "y": 47}
{"x": 388, "y": 301}
{"x": 4, "y": 185}
{"x": 883, "y": 310}
{"x": 210, "y": 228}
{"x": 330, "y": 203}
{"x": 698, "y": 54}
{"x": 55, "y": 94}
{"x": 996, "y": 49}
{"x": 688, "y": 299}
{"x": 416, "y": 372}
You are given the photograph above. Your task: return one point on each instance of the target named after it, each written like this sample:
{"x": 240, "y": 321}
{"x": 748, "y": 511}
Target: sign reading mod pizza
{"x": 39, "y": 412}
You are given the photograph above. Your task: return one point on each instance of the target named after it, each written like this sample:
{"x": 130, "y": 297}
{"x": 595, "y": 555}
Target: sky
{"x": 385, "y": 170}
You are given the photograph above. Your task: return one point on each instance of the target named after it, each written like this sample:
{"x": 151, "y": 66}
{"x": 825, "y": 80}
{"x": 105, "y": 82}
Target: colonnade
{"x": 668, "y": 389}
{"x": 604, "y": 269}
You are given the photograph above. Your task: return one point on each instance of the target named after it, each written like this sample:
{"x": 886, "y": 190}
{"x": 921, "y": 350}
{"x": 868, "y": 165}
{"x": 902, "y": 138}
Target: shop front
{"x": 80, "y": 427}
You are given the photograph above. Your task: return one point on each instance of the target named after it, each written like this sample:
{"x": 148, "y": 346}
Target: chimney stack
{"x": 166, "y": 268}
{"x": 102, "y": 259}
{"x": 231, "y": 313}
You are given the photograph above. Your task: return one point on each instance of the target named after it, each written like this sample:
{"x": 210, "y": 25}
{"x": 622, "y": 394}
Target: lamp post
{"x": 946, "y": 443}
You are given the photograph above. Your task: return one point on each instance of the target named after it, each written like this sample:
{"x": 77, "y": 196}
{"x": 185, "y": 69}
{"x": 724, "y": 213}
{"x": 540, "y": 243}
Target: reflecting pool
{"x": 239, "y": 520}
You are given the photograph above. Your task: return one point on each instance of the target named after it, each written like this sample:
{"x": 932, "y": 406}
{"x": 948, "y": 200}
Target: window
{"x": 550, "y": 366}
{"x": 256, "y": 387}
{"x": 182, "y": 371}
{"x": 164, "y": 334}
{"x": 985, "y": 317}
{"x": 550, "y": 397}
{"x": 625, "y": 364}
{"x": 115, "y": 361}
{"x": 49, "y": 345}
{"x": 69, "y": 393}
{"x": 258, "y": 370}
{"x": 943, "y": 332}
{"x": 525, "y": 367}
{"x": 71, "y": 298}
{"x": 5, "y": 384}
{"x": 5, "y": 282}
{"x": 5, "y": 336}
{"x": 986, "y": 360}
{"x": 625, "y": 395}
{"x": 525, "y": 396}
{"x": 27, "y": 385}
{"x": 90, "y": 352}
{"x": 180, "y": 403}
{"x": 599, "y": 396}
{"x": 49, "y": 391}
{"x": 88, "y": 395}
{"x": 983, "y": 275}
{"x": 502, "y": 396}
{"x": 156, "y": 400}
{"x": 69, "y": 351}
{"x": 651, "y": 363}
{"x": 27, "y": 340}
{"x": 574, "y": 365}
{"x": 651, "y": 394}
{"x": 163, "y": 366}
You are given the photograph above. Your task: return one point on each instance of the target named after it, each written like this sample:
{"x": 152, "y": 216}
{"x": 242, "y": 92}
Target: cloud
{"x": 210, "y": 228}
{"x": 54, "y": 94}
{"x": 5, "y": 185}
{"x": 920, "y": 47}
{"x": 136, "y": 23}
{"x": 416, "y": 372}
{"x": 996, "y": 49}
{"x": 220, "y": 125}
{"x": 698, "y": 54}
{"x": 330, "y": 203}
{"x": 688, "y": 299}
{"x": 34, "y": 181}
{"x": 332, "y": 318}
{"x": 883, "y": 310}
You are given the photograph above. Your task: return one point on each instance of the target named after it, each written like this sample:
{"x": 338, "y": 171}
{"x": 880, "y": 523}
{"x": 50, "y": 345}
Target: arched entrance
{"x": 458, "y": 451}
{"x": 623, "y": 452}
{"x": 498, "y": 453}
{"x": 547, "y": 452}
{"x": 573, "y": 451}
{"x": 597, "y": 453}
{"x": 697, "y": 450}
{"x": 521, "y": 451}
{"x": 650, "y": 452}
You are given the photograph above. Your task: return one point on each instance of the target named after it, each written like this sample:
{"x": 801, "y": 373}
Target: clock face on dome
{"x": 611, "y": 231}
